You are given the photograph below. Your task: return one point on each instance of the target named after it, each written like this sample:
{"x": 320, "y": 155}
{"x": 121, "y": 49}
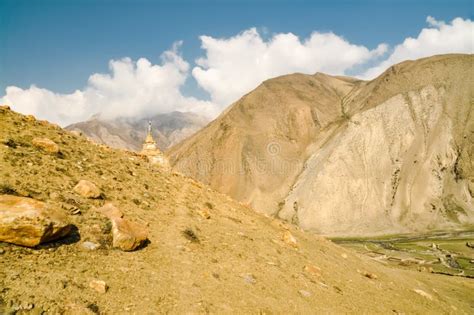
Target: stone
{"x": 4, "y": 107}
{"x": 289, "y": 239}
{"x": 46, "y": 145}
{"x": 127, "y": 235}
{"x": 110, "y": 211}
{"x": 249, "y": 278}
{"x": 99, "y": 286}
{"x": 90, "y": 245}
{"x": 204, "y": 213}
{"x": 29, "y": 222}
{"x": 423, "y": 294}
{"x": 30, "y": 118}
{"x": 304, "y": 293}
{"x": 76, "y": 133}
{"x": 370, "y": 275}
{"x": 312, "y": 270}
{"x": 87, "y": 189}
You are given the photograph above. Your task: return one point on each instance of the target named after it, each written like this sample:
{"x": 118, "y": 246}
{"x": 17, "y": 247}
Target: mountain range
{"x": 129, "y": 133}
{"x": 346, "y": 157}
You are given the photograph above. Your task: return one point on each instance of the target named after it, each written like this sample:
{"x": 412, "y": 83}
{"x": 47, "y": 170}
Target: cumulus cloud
{"x": 438, "y": 38}
{"x": 233, "y": 66}
{"x": 131, "y": 89}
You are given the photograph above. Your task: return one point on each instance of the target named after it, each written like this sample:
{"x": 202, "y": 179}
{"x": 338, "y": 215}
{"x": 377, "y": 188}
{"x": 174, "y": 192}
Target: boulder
{"x": 29, "y": 222}
{"x": 127, "y": 235}
{"x": 46, "y": 144}
{"x": 87, "y": 189}
{"x": 110, "y": 211}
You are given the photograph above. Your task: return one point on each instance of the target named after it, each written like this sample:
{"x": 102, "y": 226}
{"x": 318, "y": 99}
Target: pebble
{"x": 249, "y": 278}
{"x": 98, "y": 285}
{"x": 2, "y": 251}
{"x": 90, "y": 245}
{"x": 304, "y": 293}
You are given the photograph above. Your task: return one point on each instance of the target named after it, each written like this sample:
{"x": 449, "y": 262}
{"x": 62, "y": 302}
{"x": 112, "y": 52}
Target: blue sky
{"x": 57, "y": 45}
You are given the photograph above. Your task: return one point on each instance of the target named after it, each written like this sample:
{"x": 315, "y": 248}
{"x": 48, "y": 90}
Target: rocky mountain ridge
{"x": 129, "y": 133}
{"x": 346, "y": 157}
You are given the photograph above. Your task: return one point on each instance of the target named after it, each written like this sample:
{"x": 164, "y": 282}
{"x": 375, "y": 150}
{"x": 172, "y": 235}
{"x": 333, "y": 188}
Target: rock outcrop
{"x": 29, "y": 222}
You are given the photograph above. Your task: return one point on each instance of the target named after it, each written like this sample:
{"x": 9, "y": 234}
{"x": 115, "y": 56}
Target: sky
{"x": 67, "y": 60}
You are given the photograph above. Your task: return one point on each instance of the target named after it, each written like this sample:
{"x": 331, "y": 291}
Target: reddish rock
{"x": 128, "y": 235}
{"x": 29, "y": 222}
{"x": 46, "y": 144}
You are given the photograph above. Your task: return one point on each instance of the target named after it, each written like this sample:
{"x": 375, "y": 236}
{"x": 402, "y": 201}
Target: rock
{"x": 30, "y": 118}
{"x": 204, "y": 213}
{"x": 90, "y": 245}
{"x": 289, "y": 239}
{"x": 46, "y": 145}
{"x": 249, "y": 278}
{"x": 344, "y": 255}
{"x": 76, "y": 133}
{"x": 87, "y": 189}
{"x": 29, "y": 222}
{"x": 98, "y": 285}
{"x": 128, "y": 235}
{"x": 110, "y": 211}
{"x": 304, "y": 293}
{"x": 424, "y": 294}
{"x": 2, "y": 251}
{"x": 370, "y": 275}
{"x": 312, "y": 270}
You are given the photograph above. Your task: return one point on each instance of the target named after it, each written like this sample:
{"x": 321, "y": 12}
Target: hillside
{"x": 207, "y": 253}
{"x": 345, "y": 157}
{"x": 128, "y": 133}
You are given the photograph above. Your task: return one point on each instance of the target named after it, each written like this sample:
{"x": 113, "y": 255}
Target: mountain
{"x": 129, "y": 133}
{"x": 345, "y": 157}
{"x": 206, "y": 252}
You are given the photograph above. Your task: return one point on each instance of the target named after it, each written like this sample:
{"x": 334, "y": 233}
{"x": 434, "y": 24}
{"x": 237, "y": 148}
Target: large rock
{"x": 46, "y": 144}
{"x": 128, "y": 235}
{"x": 87, "y": 189}
{"x": 29, "y": 222}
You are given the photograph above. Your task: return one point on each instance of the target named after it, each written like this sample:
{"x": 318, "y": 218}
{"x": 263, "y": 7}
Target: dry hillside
{"x": 207, "y": 253}
{"x": 340, "y": 156}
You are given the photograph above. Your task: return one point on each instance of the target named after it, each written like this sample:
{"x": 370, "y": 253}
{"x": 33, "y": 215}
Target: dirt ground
{"x": 207, "y": 253}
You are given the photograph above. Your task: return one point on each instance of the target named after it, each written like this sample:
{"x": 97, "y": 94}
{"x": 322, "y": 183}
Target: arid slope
{"x": 207, "y": 253}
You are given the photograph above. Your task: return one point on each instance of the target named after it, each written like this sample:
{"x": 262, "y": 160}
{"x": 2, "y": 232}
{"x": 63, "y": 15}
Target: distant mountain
{"x": 129, "y": 133}
{"x": 341, "y": 156}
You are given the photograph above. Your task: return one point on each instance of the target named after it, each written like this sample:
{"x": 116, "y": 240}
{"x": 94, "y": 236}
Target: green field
{"x": 439, "y": 252}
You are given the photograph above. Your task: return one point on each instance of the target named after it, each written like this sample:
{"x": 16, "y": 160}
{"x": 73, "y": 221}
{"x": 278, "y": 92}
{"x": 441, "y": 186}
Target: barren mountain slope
{"x": 386, "y": 156}
{"x": 207, "y": 253}
{"x": 129, "y": 133}
{"x": 256, "y": 149}
{"x": 403, "y": 163}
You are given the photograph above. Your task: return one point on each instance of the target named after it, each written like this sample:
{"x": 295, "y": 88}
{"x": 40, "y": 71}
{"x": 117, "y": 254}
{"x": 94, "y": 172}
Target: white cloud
{"x": 131, "y": 89}
{"x": 439, "y": 38}
{"x": 233, "y": 66}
